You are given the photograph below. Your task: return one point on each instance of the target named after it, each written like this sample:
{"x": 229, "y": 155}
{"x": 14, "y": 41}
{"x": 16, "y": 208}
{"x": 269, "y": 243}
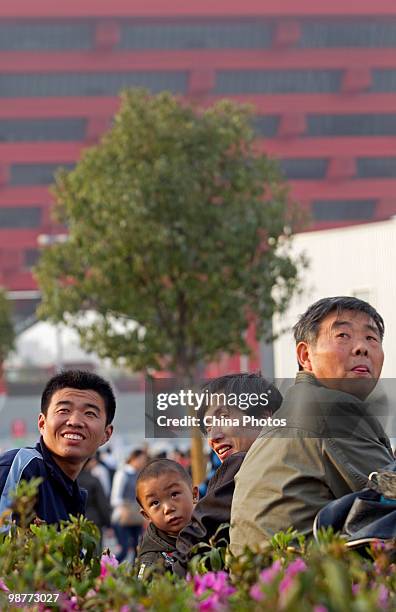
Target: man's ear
{"x": 304, "y": 356}
{"x": 107, "y": 434}
{"x": 41, "y": 422}
{"x": 195, "y": 494}
{"x": 144, "y": 514}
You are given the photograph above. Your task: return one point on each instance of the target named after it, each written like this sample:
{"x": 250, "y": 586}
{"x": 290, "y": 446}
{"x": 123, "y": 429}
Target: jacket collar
{"x": 56, "y": 472}
{"x": 307, "y": 377}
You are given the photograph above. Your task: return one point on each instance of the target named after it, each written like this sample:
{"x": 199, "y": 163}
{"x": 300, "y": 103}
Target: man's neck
{"x": 72, "y": 470}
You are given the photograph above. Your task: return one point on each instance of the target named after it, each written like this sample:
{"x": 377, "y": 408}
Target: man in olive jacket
{"x": 331, "y": 442}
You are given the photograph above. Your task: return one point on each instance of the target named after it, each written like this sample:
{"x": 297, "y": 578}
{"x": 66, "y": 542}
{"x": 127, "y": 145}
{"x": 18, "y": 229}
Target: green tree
{"x": 176, "y": 237}
{"x": 6, "y": 328}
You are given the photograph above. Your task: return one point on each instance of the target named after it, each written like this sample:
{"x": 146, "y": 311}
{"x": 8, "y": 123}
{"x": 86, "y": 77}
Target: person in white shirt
{"x": 126, "y": 518}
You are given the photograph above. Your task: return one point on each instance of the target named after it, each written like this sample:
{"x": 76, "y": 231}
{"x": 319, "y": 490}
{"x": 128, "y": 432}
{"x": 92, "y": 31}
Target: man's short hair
{"x": 158, "y": 467}
{"x": 307, "y": 327}
{"x": 242, "y": 384}
{"x": 80, "y": 379}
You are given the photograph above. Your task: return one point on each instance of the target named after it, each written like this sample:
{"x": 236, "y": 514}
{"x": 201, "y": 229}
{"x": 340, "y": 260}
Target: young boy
{"x": 165, "y": 493}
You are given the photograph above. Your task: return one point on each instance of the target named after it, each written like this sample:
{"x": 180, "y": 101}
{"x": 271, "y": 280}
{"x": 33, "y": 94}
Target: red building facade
{"x": 321, "y": 78}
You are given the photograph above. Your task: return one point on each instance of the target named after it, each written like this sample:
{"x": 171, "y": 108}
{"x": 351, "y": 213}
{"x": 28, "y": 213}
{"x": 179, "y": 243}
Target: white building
{"x": 358, "y": 260}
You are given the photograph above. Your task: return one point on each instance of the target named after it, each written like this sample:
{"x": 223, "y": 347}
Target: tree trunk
{"x": 198, "y": 461}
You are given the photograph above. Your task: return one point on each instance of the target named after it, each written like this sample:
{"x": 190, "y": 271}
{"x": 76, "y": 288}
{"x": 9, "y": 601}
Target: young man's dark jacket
{"x": 58, "y": 495}
{"x": 210, "y": 512}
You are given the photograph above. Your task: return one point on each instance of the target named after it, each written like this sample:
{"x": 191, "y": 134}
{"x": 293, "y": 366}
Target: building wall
{"x": 358, "y": 261}
{"x": 321, "y": 76}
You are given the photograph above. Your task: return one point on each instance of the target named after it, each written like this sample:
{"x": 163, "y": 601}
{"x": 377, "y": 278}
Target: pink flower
{"x": 210, "y": 603}
{"x": 295, "y": 568}
{"x": 268, "y": 575}
{"x": 3, "y": 586}
{"x": 256, "y": 593}
{"x": 285, "y": 584}
{"x": 70, "y": 605}
{"x": 292, "y": 570}
{"x": 221, "y": 581}
{"x": 355, "y": 589}
{"x": 125, "y": 608}
{"x": 383, "y": 595}
{"x": 107, "y": 561}
{"x": 320, "y": 608}
{"x": 215, "y": 588}
{"x": 217, "y": 581}
{"x": 202, "y": 583}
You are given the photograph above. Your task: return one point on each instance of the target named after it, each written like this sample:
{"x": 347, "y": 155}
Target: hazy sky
{"x": 44, "y": 344}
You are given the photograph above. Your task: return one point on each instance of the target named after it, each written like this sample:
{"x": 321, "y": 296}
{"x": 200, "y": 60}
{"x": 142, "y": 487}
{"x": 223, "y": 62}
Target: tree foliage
{"x": 176, "y": 236}
{"x": 6, "y": 327}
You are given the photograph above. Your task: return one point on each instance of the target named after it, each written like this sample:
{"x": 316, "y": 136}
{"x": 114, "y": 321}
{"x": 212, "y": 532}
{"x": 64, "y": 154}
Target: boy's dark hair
{"x": 307, "y": 327}
{"x": 156, "y": 468}
{"x": 238, "y": 384}
{"x": 80, "y": 379}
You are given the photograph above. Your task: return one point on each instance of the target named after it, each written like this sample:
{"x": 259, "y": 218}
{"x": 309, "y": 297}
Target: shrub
{"x": 291, "y": 575}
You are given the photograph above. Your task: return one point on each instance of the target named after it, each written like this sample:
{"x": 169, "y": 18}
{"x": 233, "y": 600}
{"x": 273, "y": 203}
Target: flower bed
{"x": 291, "y": 575}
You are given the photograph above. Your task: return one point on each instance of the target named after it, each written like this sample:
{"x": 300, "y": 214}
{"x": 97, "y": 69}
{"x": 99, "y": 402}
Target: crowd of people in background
{"x": 111, "y": 488}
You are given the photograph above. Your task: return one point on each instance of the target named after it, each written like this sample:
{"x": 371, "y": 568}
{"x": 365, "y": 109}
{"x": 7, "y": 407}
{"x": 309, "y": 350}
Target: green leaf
{"x": 69, "y": 546}
{"x": 215, "y": 560}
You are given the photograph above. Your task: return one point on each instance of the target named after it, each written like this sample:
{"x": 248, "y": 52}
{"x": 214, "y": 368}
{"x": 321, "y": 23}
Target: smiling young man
{"x": 331, "y": 442}
{"x": 77, "y": 409}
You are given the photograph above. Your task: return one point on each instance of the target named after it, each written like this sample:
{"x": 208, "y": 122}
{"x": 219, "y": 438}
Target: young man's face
{"x": 226, "y": 439}
{"x": 74, "y": 427}
{"x": 347, "y": 354}
{"x": 167, "y": 501}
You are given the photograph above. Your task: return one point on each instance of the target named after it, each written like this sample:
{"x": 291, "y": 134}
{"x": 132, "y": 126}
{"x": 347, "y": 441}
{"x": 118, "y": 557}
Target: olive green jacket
{"x": 328, "y": 448}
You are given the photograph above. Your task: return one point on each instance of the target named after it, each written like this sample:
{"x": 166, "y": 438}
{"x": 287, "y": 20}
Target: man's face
{"x": 167, "y": 501}
{"x": 227, "y": 439}
{"x": 347, "y": 354}
{"x": 74, "y": 427}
